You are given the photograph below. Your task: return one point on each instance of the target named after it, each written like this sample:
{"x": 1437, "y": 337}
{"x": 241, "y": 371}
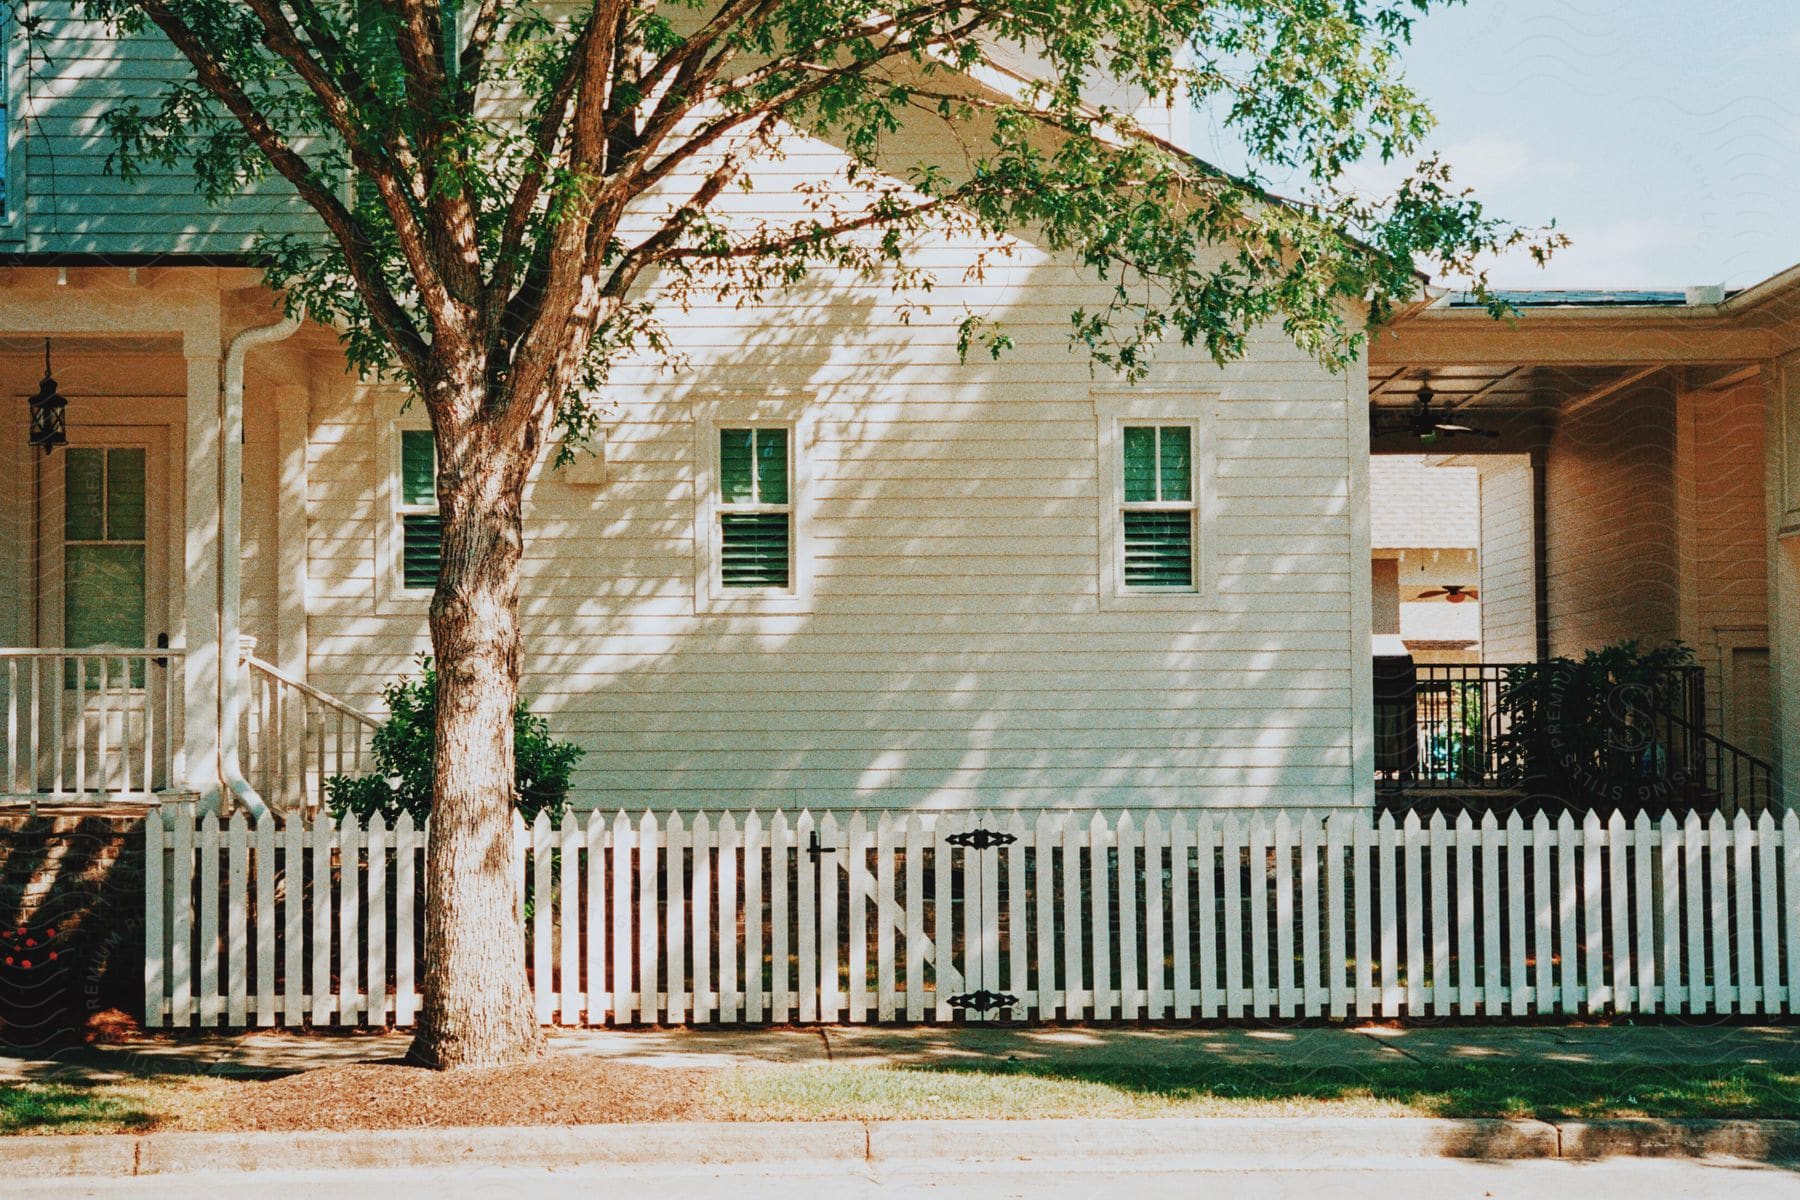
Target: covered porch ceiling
{"x": 1526, "y": 386}
{"x": 1558, "y": 350}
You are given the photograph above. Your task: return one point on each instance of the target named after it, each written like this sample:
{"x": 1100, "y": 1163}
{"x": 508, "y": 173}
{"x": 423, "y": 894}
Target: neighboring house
{"x": 1425, "y": 524}
{"x": 828, "y": 564}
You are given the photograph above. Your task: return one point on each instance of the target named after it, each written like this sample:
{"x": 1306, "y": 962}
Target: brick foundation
{"x": 71, "y": 920}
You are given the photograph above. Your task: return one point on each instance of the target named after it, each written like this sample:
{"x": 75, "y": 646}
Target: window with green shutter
{"x": 420, "y": 528}
{"x": 1158, "y": 507}
{"x": 756, "y": 516}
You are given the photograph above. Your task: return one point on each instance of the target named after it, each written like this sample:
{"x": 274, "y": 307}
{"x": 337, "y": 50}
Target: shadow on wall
{"x": 956, "y": 652}
{"x": 71, "y": 924}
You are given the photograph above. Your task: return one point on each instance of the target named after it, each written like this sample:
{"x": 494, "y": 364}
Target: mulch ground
{"x": 552, "y": 1091}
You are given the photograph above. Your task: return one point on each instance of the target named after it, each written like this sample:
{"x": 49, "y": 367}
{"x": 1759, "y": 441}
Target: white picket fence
{"x": 748, "y": 918}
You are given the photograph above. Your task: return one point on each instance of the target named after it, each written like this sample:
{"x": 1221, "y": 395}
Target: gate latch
{"x": 982, "y": 1001}
{"x": 982, "y": 839}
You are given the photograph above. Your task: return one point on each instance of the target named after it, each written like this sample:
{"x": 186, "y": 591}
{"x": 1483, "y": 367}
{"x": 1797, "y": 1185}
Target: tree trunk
{"x": 477, "y": 1007}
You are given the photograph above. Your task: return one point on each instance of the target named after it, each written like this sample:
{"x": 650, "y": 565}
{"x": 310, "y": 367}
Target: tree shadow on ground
{"x": 1552, "y": 1092}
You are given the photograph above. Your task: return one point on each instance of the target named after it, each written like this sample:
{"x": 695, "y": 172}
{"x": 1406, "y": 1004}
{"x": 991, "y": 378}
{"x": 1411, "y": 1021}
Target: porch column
{"x": 200, "y": 612}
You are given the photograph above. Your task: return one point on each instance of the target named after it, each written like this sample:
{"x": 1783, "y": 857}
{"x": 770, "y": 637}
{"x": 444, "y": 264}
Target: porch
{"x": 1535, "y": 734}
{"x": 151, "y": 553}
{"x": 105, "y": 727}
{"x": 1631, "y": 467}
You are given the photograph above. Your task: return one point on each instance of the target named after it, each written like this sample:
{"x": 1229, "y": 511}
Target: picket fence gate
{"x": 750, "y": 918}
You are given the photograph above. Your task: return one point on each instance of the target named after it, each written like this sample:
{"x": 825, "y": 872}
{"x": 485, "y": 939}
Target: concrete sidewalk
{"x": 263, "y": 1054}
{"x": 1112, "y": 1146}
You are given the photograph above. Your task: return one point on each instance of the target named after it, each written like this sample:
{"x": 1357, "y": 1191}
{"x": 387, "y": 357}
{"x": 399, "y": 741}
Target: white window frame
{"x": 392, "y": 415}
{"x": 763, "y": 411}
{"x": 1165, "y": 408}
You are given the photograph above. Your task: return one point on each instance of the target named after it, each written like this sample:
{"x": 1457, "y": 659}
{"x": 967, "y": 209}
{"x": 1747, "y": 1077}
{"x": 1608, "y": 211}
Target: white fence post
{"x": 406, "y": 849}
{"x": 1519, "y": 988}
{"x": 569, "y": 910}
{"x": 676, "y": 917}
{"x": 887, "y": 916}
{"x": 730, "y": 991}
{"x": 1790, "y": 844}
{"x": 699, "y": 901}
{"x": 156, "y": 978}
{"x": 208, "y": 945}
{"x": 753, "y": 918}
{"x": 537, "y": 843}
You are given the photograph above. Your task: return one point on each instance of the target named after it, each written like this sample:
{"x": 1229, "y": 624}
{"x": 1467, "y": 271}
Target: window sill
{"x": 1189, "y": 600}
{"x": 720, "y": 601}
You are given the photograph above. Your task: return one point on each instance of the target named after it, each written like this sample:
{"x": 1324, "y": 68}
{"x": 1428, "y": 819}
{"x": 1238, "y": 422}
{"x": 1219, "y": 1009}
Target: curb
{"x": 1291, "y": 1140}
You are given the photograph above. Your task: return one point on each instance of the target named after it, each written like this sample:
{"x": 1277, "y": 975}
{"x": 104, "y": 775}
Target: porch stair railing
{"x": 1649, "y": 736}
{"x": 90, "y": 724}
{"x": 1744, "y": 782}
{"x": 295, "y": 737}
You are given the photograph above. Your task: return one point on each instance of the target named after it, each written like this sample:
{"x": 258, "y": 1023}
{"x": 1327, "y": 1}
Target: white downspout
{"x": 231, "y": 557}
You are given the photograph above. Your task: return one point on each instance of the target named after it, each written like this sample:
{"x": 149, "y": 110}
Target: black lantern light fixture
{"x": 48, "y": 429}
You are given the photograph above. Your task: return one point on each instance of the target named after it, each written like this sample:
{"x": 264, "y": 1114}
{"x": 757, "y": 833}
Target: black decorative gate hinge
{"x": 982, "y": 839}
{"x": 982, "y": 1000}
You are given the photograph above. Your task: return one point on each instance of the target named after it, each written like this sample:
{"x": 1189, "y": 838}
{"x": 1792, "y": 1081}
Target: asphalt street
{"x": 1141, "y": 1180}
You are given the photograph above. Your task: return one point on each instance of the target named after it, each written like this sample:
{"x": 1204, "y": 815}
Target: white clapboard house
{"x": 828, "y": 565}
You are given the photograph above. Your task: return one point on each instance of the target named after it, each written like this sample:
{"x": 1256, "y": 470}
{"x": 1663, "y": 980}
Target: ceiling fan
{"x": 1423, "y": 421}
{"x": 1455, "y": 593}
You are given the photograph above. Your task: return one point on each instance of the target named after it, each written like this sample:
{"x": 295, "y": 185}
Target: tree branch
{"x": 358, "y": 254}
{"x": 531, "y": 186}
{"x": 482, "y": 28}
{"x": 391, "y": 185}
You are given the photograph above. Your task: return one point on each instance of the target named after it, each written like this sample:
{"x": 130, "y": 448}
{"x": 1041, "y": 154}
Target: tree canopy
{"x": 506, "y": 175}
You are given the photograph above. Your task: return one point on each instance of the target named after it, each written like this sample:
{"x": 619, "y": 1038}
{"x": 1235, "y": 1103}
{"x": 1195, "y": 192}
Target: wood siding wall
{"x": 955, "y": 651}
{"x": 1724, "y": 556}
{"x": 1508, "y": 561}
{"x": 68, "y": 200}
{"x": 1611, "y": 564}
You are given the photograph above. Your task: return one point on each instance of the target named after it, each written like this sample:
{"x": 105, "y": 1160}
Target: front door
{"x": 103, "y": 511}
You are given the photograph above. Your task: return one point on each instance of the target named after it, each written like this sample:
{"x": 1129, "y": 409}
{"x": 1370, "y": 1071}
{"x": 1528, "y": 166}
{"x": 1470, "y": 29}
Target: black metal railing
{"x": 1744, "y": 782}
{"x": 1635, "y": 737}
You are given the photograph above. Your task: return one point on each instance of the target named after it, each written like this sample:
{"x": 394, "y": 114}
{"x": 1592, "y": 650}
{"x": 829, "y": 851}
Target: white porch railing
{"x": 294, "y": 737}
{"x": 748, "y": 918}
{"x": 97, "y": 724}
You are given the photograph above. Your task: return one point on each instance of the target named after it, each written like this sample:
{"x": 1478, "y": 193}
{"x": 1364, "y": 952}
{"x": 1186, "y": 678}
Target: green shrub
{"x": 403, "y": 752}
{"x": 1602, "y": 730}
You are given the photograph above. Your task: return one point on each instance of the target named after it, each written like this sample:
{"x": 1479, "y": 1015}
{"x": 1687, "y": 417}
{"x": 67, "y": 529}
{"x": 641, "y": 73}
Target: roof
{"x": 1587, "y": 298}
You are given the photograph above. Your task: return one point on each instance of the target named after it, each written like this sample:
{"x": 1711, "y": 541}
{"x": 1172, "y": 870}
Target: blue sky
{"x": 1662, "y": 135}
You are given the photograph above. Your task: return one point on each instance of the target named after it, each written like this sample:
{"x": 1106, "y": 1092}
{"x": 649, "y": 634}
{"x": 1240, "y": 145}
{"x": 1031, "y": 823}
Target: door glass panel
{"x": 125, "y": 494}
{"x": 104, "y": 550}
{"x": 84, "y": 494}
{"x": 103, "y": 595}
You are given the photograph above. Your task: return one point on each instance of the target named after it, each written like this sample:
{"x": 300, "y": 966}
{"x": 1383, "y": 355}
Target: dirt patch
{"x": 552, "y": 1091}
